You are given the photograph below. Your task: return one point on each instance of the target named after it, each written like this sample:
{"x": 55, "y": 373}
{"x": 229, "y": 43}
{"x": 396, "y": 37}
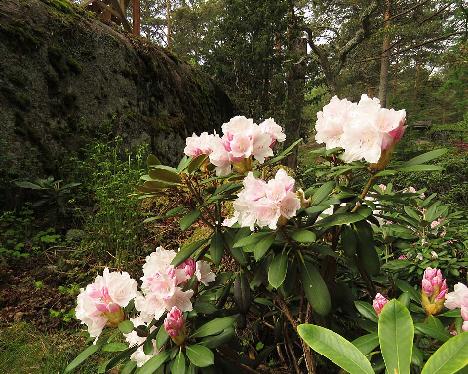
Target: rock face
{"x": 66, "y": 78}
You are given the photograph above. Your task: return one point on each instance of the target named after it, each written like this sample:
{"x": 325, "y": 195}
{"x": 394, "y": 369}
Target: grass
{"x": 24, "y": 350}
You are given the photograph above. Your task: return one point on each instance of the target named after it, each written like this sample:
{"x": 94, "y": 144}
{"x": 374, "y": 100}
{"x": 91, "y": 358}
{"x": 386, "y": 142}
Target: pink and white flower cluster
{"x": 459, "y": 299}
{"x": 364, "y": 130}
{"x": 101, "y": 303}
{"x": 162, "y": 284}
{"x": 242, "y": 139}
{"x": 264, "y": 203}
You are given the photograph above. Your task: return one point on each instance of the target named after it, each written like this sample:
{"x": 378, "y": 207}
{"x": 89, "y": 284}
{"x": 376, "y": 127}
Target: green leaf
{"x": 366, "y": 310}
{"x": 164, "y": 174}
{"x": 284, "y": 153}
{"x": 114, "y": 347}
{"x": 196, "y": 162}
{"x": 304, "y": 236}
{"x": 200, "y": 355}
{"x": 189, "y": 219}
{"x": 417, "y": 358}
{"x": 263, "y": 246}
{"x": 409, "y": 169}
{"x": 425, "y": 157}
{"x": 217, "y": 247}
{"x": 412, "y": 213}
{"x": 366, "y": 253}
{"x": 278, "y": 269}
{"x": 154, "y": 363}
{"x": 336, "y": 348}
{"x": 322, "y": 192}
{"x": 451, "y": 357}
{"x": 345, "y": 218}
{"x": 186, "y": 251}
{"x": 83, "y": 356}
{"x": 406, "y": 287}
{"x": 396, "y": 333}
{"x": 32, "y": 186}
{"x": 128, "y": 368}
{"x": 250, "y": 240}
{"x": 315, "y": 289}
{"x": 213, "y": 327}
{"x": 152, "y": 160}
{"x": 348, "y": 241}
{"x": 367, "y": 343}
{"x": 126, "y": 327}
{"x": 178, "y": 365}
{"x": 161, "y": 337}
{"x": 434, "y": 328}
{"x": 451, "y": 313}
{"x": 215, "y": 341}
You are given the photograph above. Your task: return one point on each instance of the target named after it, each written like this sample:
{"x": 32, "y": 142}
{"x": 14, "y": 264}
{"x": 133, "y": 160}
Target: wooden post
{"x": 136, "y": 17}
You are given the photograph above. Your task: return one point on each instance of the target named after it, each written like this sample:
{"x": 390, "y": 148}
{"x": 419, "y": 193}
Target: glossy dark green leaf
{"x": 336, "y": 348}
{"x": 406, "y": 287}
{"x": 278, "y": 269}
{"x": 200, "y": 355}
{"x": 263, "y": 246}
{"x": 189, "y": 219}
{"x": 434, "y": 328}
{"x": 126, "y": 327}
{"x": 425, "y": 157}
{"x": 348, "y": 241}
{"x": 217, "y": 247}
{"x": 315, "y": 289}
{"x": 178, "y": 364}
{"x": 152, "y": 160}
{"x": 396, "y": 333}
{"x": 161, "y": 337}
{"x": 366, "y": 310}
{"x": 217, "y": 340}
{"x": 322, "y": 192}
{"x": 82, "y": 357}
{"x": 186, "y": 251}
{"x": 114, "y": 347}
{"x": 154, "y": 363}
{"x": 367, "y": 343}
{"x": 213, "y": 327}
{"x": 304, "y": 236}
{"x": 451, "y": 357}
{"x": 251, "y": 239}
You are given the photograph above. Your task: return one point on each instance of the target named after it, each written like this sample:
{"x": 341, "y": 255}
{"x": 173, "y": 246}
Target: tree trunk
{"x": 295, "y": 82}
{"x": 385, "y": 59}
{"x": 168, "y": 24}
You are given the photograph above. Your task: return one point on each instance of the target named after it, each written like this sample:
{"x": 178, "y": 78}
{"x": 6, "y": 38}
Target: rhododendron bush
{"x": 285, "y": 263}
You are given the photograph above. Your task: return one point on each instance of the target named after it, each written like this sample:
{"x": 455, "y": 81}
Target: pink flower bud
{"x": 379, "y": 302}
{"x": 434, "y": 288}
{"x": 174, "y": 323}
{"x": 402, "y": 257}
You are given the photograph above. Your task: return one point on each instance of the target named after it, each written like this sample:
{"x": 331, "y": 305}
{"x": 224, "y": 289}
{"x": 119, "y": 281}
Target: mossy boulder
{"x": 66, "y": 79}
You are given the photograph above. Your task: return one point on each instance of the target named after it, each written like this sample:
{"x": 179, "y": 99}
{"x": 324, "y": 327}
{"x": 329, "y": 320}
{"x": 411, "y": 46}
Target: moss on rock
{"x": 66, "y": 79}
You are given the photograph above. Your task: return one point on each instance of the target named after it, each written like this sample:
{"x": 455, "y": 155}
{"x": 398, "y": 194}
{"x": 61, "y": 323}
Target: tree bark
{"x": 168, "y": 24}
{"x": 295, "y": 87}
{"x": 385, "y": 59}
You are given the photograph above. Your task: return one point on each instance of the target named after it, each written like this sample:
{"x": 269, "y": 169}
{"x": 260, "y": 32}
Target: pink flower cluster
{"x": 379, "y": 302}
{"x": 242, "y": 139}
{"x": 101, "y": 303}
{"x": 459, "y": 299}
{"x": 364, "y": 130}
{"x": 174, "y": 322}
{"x": 264, "y": 203}
{"x": 162, "y": 284}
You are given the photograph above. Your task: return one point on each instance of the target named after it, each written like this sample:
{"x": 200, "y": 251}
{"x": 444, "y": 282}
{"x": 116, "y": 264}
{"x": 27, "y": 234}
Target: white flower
{"x": 203, "y": 272}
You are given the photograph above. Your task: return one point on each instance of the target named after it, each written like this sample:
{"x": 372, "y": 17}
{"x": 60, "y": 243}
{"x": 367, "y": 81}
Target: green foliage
{"x": 109, "y": 174}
